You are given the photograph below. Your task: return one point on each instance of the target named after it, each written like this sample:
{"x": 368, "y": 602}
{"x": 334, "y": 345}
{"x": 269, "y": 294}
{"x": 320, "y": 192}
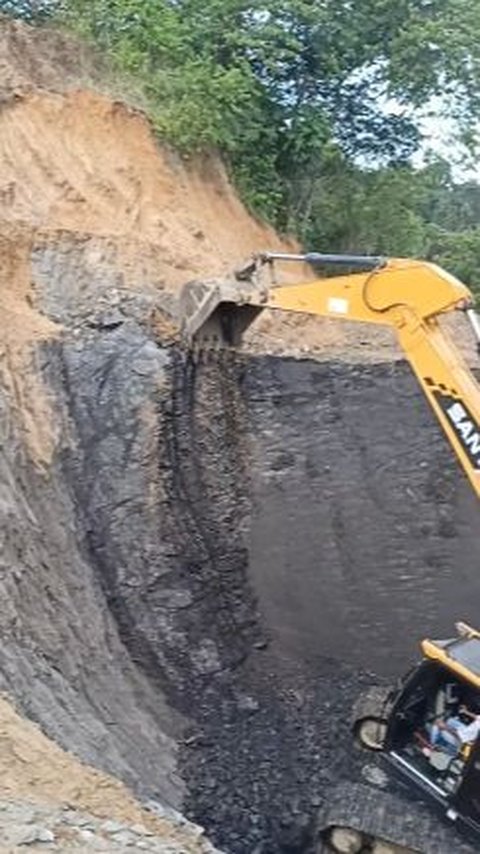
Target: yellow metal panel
{"x": 408, "y": 296}
{"x": 436, "y": 653}
{"x": 372, "y": 297}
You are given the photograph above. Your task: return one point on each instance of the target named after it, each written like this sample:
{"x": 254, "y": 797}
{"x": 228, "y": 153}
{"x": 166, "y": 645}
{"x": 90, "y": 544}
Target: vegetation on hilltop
{"x": 313, "y": 104}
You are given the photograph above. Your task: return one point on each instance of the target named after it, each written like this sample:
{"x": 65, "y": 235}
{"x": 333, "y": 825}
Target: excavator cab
{"x": 442, "y": 691}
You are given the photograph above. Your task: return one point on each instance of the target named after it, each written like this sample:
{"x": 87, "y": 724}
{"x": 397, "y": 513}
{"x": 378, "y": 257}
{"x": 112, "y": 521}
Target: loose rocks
{"x": 37, "y": 827}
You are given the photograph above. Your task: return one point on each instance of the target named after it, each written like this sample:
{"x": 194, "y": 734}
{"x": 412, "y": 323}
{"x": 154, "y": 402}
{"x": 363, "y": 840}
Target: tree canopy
{"x": 314, "y": 106}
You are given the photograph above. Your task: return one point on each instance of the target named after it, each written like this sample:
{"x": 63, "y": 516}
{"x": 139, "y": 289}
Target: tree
{"x": 292, "y": 94}
{"x": 285, "y": 78}
{"x": 29, "y": 10}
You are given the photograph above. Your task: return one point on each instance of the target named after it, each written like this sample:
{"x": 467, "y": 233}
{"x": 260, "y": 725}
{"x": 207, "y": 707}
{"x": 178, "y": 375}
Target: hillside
{"x": 202, "y": 561}
{"x": 48, "y": 796}
{"x": 100, "y": 185}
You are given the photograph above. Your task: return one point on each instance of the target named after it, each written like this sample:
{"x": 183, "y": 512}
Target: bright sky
{"x": 439, "y": 137}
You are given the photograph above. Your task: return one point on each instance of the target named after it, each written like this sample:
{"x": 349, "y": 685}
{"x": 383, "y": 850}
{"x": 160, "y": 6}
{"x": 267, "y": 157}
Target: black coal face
{"x": 365, "y": 532}
{"x": 264, "y": 531}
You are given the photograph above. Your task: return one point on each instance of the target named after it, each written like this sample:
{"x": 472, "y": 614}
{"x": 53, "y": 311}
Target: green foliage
{"x": 374, "y": 212}
{"x": 401, "y": 212}
{"x": 275, "y": 85}
{"x": 291, "y": 93}
{"x": 458, "y": 252}
{"x": 33, "y": 11}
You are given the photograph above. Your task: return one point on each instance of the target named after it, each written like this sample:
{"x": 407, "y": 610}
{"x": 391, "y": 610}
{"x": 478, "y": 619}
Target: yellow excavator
{"x": 407, "y": 295}
{"x": 426, "y": 730}
{"x": 395, "y": 723}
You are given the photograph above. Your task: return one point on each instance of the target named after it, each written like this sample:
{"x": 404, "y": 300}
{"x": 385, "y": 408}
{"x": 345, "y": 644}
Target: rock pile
{"x": 36, "y": 827}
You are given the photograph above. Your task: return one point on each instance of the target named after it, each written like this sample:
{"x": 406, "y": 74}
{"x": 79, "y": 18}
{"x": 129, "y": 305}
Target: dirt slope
{"x": 96, "y": 172}
{"x": 82, "y": 178}
{"x": 45, "y": 58}
{"x": 94, "y": 169}
{"x": 129, "y": 607}
{"x": 35, "y": 770}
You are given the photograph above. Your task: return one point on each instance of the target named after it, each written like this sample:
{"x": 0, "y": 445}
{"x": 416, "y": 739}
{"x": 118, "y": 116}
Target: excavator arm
{"x": 407, "y": 295}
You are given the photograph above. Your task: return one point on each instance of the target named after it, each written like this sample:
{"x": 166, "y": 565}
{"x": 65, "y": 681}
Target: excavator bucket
{"x": 217, "y": 313}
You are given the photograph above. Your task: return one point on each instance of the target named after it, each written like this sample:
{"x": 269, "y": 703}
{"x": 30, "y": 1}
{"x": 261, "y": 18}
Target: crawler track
{"x": 385, "y": 818}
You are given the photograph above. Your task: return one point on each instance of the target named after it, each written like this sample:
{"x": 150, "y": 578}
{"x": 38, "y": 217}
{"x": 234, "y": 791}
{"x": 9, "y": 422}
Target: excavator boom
{"x": 407, "y": 295}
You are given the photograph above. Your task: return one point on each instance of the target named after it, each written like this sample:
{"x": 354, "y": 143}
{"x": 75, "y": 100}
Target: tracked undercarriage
{"x": 363, "y": 818}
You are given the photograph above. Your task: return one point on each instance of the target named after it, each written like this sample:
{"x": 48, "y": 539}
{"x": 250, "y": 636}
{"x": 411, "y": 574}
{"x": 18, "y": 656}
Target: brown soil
{"x": 21, "y": 325}
{"x": 43, "y": 58}
{"x": 33, "y": 767}
{"x": 77, "y": 167}
{"x": 95, "y": 170}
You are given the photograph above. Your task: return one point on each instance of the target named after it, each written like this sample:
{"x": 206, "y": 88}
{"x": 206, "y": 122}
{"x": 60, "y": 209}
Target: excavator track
{"x": 359, "y": 818}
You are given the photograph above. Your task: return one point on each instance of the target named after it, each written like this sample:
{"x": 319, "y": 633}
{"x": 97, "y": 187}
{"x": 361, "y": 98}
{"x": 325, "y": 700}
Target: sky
{"x": 439, "y": 136}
